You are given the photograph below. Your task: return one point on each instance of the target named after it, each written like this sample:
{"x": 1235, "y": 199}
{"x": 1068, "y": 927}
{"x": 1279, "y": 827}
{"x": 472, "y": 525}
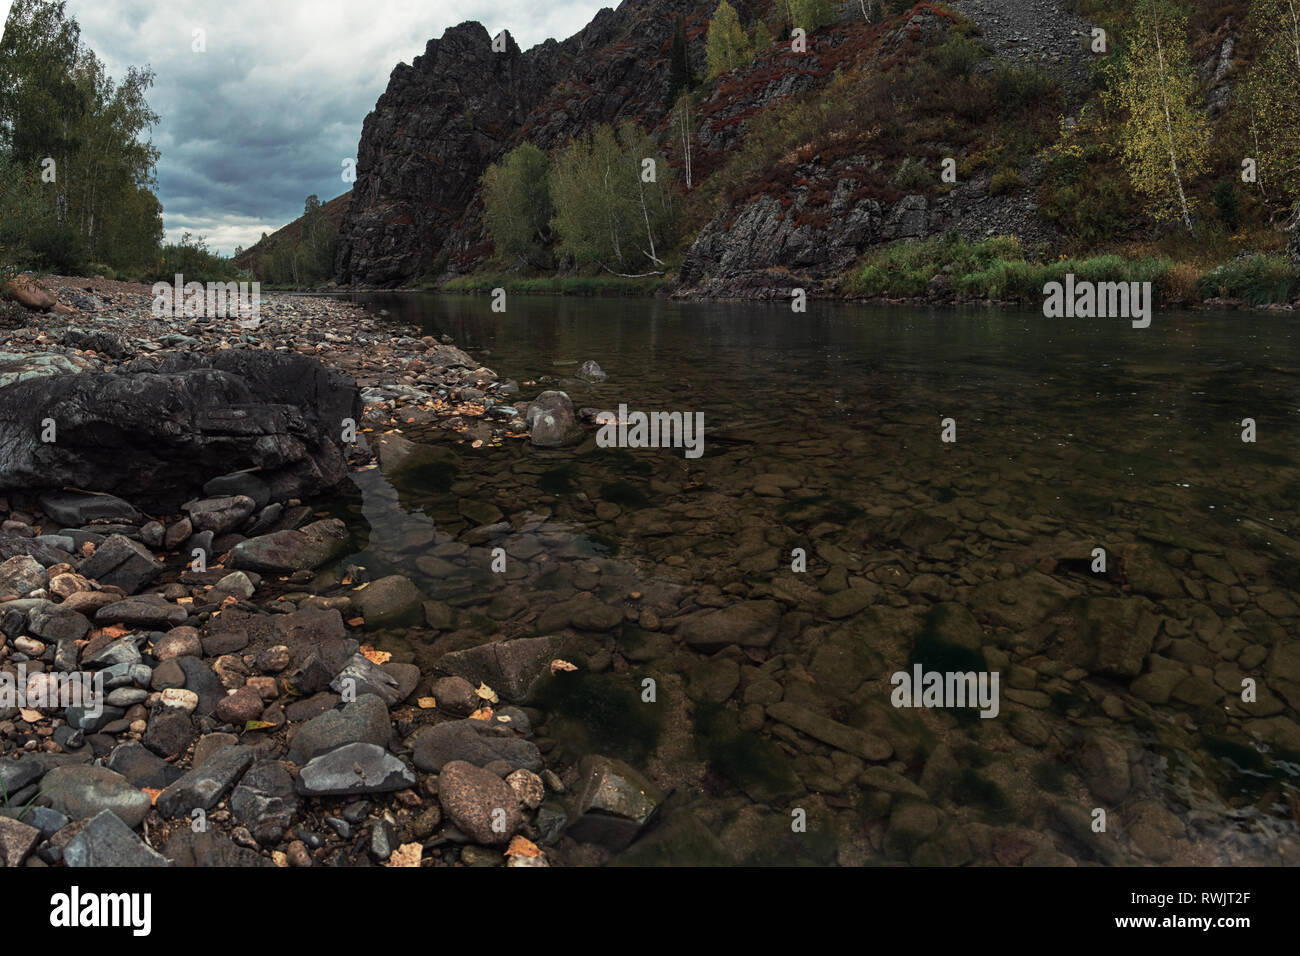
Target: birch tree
{"x": 727, "y": 47}
{"x": 1271, "y": 94}
{"x": 1165, "y": 138}
{"x": 608, "y": 214}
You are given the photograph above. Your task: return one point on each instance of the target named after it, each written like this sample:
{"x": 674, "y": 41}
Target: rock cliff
{"x": 457, "y": 108}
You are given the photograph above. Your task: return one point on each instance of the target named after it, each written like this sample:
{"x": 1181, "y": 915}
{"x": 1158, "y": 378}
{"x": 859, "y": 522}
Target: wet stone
{"x": 82, "y": 791}
{"x": 354, "y": 769}
{"x": 108, "y": 842}
{"x": 479, "y": 803}
{"x": 473, "y": 741}
{"x": 365, "y": 720}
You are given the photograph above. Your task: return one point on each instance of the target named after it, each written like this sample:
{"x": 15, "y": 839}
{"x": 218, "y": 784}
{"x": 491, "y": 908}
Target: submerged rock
{"x": 550, "y": 420}
{"x": 614, "y": 803}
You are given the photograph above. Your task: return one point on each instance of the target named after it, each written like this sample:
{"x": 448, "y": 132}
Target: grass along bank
{"x": 998, "y": 269}
{"x": 548, "y": 285}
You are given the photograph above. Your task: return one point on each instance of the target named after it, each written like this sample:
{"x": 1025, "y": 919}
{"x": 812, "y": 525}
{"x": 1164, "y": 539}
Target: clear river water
{"x": 1098, "y": 535}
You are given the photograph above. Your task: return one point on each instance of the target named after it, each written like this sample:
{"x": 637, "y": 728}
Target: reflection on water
{"x": 1121, "y": 688}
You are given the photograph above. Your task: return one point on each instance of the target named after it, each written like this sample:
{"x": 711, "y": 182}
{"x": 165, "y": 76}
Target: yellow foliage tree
{"x": 727, "y": 47}
{"x": 1270, "y": 94}
{"x": 1165, "y": 139}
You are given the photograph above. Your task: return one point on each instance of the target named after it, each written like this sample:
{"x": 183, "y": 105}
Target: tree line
{"x": 606, "y": 201}
{"x": 77, "y": 167}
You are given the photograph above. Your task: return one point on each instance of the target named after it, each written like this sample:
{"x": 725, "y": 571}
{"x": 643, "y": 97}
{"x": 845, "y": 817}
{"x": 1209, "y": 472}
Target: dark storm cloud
{"x": 266, "y": 115}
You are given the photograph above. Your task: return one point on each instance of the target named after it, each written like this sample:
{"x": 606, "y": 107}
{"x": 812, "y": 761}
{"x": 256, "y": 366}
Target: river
{"x": 1094, "y": 530}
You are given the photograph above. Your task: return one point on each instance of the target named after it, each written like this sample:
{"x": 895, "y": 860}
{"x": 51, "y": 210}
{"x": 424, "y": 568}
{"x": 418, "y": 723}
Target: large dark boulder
{"x": 157, "y": 429}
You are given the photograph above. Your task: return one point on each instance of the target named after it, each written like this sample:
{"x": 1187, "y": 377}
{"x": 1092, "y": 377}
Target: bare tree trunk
{"x": 640, "y": 185}
{"x": 1169, "y": 129}
{"x": 685, "y": 122}
{"x": 1295, "y": 30}
{"x": 613, "y": 225}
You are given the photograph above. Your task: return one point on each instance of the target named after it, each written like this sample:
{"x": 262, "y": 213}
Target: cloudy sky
{"x": 267, "y": 114}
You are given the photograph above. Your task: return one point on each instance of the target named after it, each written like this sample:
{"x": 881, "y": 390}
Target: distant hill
{"x": 254, "y": 256}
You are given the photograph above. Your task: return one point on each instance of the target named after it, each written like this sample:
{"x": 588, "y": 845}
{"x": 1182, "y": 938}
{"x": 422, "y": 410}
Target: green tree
{"x": 612, "y": 209}
{"x": 727, "y": 48}
{"x": 812, "y": 14}
{"x": 39, "y": 98}
{"x": 1270, "y": 93}
{"x": 517, "y": 202}
{"x": 1165, "y": 139}
{"x": 64, "y": 116}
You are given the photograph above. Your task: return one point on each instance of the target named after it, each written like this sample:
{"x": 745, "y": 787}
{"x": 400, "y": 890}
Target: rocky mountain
{"x": 457, "y": 108}
{"x": 803, "y": 160}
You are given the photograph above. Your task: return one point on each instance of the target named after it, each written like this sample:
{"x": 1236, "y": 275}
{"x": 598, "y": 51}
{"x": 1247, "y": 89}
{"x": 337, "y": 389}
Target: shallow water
{"x": 1120, "y": 690}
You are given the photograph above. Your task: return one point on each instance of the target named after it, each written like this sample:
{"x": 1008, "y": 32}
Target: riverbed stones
{"x": 511, "y": 668}
{"x": 21, "y": 575}
{"x": 123, "y": 563}
{"x": 204, "y": 785}
{"x": 479, "y": 803}
{"x": 75, "y": 510}
{"x": 17, "y": 840}
{"x": 240, "y": 706}
{"x": 1103, "y": 763}
{"x": 220, "y": 514}
{"x": 54, "y": 624}
{"x": 170, "y": 730}
{"x": 841, "y": 736}
{"x": 614, "y": 802}
{"x": 282, "y": 552}
{"x": 354, "y": 769}
{"x": 106, "y": 841}
{"x": 1113, "y": 636}
{"x": 178, "y": 642}
{"x": 389, "y": 600}
{"x": 473, "y": 741}
{"x": 265, "y": 800}
{"x": 16, "y": 775}
{"x": 455, "y": 695}
{"x": 148, "y": 611}
{"x": 747, "y": 624}
{"x": 141, "y": 767}
{"x": 550, "y": 420}
{"x": 364, "y": 719}
{"x": 82, "y": 791}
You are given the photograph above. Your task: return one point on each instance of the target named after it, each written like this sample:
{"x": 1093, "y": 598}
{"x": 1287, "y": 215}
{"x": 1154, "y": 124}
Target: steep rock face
{"x": 769, "y": 247}
{"x": 458, "y": 108}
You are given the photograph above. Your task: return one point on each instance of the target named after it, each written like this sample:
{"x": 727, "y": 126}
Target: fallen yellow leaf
{"x": 522, "y": 847}
{"x": 426, "y": 703}
{"x": 31, "y": 716}
{"x": 487, "y": 693}
{"x": 559, "y": 665}
{"x": 374, "y": 656}
{"x": 483, "y": 713}
{"x": 408, "y": 854}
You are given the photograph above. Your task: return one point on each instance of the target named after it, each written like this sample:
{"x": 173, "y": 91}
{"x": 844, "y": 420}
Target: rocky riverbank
{"x": 244, "y": 718}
